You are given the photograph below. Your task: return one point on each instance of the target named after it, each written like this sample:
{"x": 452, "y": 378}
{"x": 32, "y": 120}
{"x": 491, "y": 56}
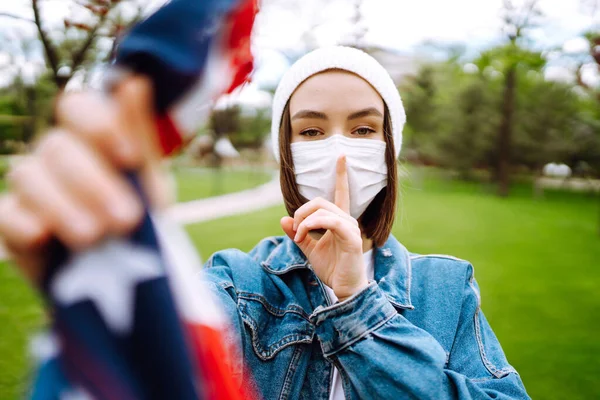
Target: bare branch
{"x": 79, "y": 56}
{"x": 593, "y": 6}
{"x": 76, "y": 52}
{"x": 529, "y": 11}
{"x": 518, "y": 19}
{"x": 119, "y": 29}
{"x": 578, "y": 77}
{"x": 49, "y": 50}
{"x": 508, "y": 5}
{"x": 8, "y": 15}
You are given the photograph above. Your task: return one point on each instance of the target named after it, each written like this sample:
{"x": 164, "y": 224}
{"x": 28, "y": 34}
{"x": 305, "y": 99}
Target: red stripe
{"x": 241, "y": 21}
{"x": 169, "y": 137}
{"x": 212, "y": 357}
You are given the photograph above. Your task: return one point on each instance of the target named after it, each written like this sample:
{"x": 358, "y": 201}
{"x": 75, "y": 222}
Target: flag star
{"x": 107, "y": 275}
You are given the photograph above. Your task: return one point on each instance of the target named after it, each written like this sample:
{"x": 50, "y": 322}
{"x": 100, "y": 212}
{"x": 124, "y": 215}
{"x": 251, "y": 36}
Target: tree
{"x": 225, "y": 121}
{"x": 73, "y": 46}
{"x": 516, "y": 22}
{"x": 24, "y": 110}
{"x": 451, "y": 116}
{"x": 592, "y": 57}
{"x": 466, "y": 140}
{"x": 12, "y": 118}
{"x": 85, "y": 38}
{"x": 454, "y": 113}
{"x": 547, "y": 123}
{"x": 254, "y": 128}
{"x": 593, "y": 38}
{"x": 104, "y": 19}
{"x": 419, "y": 104}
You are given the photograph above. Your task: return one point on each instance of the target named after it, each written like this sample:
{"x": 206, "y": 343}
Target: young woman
{"x": 337, "y": 308}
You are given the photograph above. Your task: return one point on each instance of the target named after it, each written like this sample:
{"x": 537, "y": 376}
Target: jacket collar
{"x": 392, "y": 267}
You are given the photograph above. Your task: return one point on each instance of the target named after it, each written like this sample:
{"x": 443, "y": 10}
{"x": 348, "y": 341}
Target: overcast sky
{"x": 403, "y": 24}
{"x": 396, "y": 24}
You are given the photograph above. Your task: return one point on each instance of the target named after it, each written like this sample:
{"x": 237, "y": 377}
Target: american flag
{"x": 130, "y": 319}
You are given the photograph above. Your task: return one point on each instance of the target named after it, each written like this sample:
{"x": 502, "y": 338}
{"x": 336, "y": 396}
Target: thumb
{"x": 134, "y": 98}
{"x": 287, "y": 224}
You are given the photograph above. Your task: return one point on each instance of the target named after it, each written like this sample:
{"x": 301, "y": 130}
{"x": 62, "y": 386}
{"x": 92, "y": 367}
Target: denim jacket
{"x": 416, "y": 332}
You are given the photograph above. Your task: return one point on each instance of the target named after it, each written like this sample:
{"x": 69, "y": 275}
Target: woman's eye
{"x": 363, "y": 131}
{"x": 310, "y": 132}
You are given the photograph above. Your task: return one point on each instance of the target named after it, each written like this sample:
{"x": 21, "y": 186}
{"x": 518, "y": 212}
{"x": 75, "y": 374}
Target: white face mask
{"x": 315, "y": 161}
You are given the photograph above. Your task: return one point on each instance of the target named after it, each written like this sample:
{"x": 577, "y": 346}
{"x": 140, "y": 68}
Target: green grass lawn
{"x": 199, "y": 183}
{"x": 536, "y": 262}
{"x": 20, "y": 312}
{"x": 3, "y": 171}
{"x": 20, "y": 316}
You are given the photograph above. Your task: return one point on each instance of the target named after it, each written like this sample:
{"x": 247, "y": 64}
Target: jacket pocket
{"x": 273, "y": 328}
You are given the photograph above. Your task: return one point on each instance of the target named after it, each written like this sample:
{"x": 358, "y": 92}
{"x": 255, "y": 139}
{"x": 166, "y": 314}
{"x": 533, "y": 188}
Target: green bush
{"x": 3, "y": 168}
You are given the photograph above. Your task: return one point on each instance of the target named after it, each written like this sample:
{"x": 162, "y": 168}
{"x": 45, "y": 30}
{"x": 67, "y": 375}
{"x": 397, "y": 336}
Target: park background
{"x": 500, "y": 162}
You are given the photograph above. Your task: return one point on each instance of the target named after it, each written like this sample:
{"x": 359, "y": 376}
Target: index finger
{"x": 342, "y": 191}
{"x": 121, "y": 125}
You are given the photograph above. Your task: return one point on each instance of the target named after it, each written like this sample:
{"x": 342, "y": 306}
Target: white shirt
{"x": 337, "y": 391}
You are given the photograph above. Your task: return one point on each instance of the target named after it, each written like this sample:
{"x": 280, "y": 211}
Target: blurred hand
{"x": 70, "y": 186}
{"x": 336, "y": 257}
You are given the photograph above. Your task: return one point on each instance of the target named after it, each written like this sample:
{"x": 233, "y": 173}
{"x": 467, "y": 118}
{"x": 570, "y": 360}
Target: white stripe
{"x": 194, "y": 300}
{"x": 188, "y": 113}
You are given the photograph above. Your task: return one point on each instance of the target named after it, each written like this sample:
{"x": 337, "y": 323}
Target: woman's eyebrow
{"x": 309, "y": 114}
{"x": 365, "y": 113}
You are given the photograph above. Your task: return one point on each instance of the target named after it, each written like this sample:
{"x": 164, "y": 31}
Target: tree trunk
{"x": 538, "y": 190}
{"x": 29, "y": 128}
{"x": 505, "y": 132}
{"x": 598, "y": 195}
{"x": 61, "y": 81}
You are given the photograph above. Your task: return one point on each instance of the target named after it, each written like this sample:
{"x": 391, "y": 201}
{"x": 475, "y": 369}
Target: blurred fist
{"x": 70, "y": 187}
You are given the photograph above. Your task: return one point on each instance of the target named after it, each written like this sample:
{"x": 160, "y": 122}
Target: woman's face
{"x": 336, "y": 103}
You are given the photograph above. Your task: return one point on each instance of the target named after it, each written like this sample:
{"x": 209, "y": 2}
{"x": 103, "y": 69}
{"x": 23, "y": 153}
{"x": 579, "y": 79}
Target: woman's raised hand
{"x": 70, "y": 186}
{"x": 337, "y": 257}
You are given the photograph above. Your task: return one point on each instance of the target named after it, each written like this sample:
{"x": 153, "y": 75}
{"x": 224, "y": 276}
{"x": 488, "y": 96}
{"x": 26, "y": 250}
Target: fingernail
{"x": 296, "y": 238}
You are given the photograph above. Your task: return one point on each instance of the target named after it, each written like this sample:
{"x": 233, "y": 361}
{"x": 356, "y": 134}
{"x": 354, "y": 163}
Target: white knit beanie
{"x": 347, "y": 59}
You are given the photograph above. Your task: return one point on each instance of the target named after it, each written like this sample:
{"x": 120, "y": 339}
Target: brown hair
{"x": 377, "y": 220}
